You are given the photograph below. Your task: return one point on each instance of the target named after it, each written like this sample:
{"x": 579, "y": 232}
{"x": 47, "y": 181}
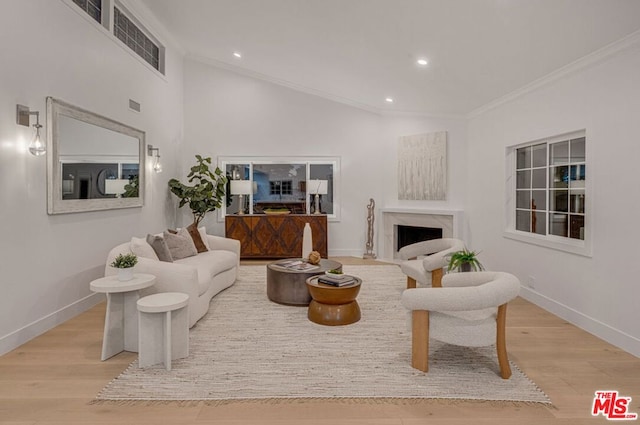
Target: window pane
{"x": 539, "y": 180}
{"x": 559, "y": 153}
{"x": 558, "y": 224}
{"x": 280, "y": 186}
{"x": 577, "y": 201}
{"x": 539, "y": 200}
{"x": 558, "y": 200}
{"x": 539, "y": 155}
{"x": 576, "y": 229}
{"x": 577, "y": 150}
{"x": 523, "y": 180}
{"x": 523, "y": 221}
{"x": 523, "y": 158}
{"x": 539, "y": 223}
{"x": 558, "y": 177}
{"x": 578, "y": 176}
{"x": 523, "y": 199}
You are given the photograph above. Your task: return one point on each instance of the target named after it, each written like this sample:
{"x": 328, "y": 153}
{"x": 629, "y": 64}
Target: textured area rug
{"x": 248, "y": 347}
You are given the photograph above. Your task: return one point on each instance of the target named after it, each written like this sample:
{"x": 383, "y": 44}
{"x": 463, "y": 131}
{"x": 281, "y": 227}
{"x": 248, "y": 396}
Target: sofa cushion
{"x": 180, "y": 244}
{"x": 209, "y": 264}
{"x": 141, "y": 248}
{"x": 160, "y": 247}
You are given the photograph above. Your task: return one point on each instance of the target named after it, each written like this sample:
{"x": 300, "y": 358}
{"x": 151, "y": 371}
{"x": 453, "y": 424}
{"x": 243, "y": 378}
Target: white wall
{"x": 599, "y": 293}
{"x": 47, "y": 262}
{"x": 227, "y": 114}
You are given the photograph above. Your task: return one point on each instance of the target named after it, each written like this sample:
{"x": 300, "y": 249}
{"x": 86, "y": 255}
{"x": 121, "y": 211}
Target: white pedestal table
{"x": 121, "y": 320}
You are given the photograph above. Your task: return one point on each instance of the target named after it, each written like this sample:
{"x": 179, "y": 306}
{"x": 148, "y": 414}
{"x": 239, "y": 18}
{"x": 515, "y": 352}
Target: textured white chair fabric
{"x": 469, "y": 310}
{"x": 427, "y": 271}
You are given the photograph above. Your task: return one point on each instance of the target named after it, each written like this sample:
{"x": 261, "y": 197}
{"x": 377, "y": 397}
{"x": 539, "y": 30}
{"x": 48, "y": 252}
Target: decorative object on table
{"x": 369, "y": 254}
{"x": 207, "y": 192}
{"x": 307, "y": 241}
{"x": 317, "y": 188}
{"x": 314, "y": 257}
{"x": 124, "y": 263}
{"x": 464, "y": 261}
{"x": 277, "y": 211}
{"x": 241, "y": 188}
{"x": 422, "y": 167}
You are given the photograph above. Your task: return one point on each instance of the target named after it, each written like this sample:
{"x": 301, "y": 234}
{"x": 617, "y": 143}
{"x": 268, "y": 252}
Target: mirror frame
{"x": 55, "y": 203}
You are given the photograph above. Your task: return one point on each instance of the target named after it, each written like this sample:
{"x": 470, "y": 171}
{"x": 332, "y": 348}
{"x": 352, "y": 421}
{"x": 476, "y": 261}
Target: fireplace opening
{"x": 412, "y": 234}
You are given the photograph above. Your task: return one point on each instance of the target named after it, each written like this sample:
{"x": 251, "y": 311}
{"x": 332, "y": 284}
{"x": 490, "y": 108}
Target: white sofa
{"x": 201, "y": 276}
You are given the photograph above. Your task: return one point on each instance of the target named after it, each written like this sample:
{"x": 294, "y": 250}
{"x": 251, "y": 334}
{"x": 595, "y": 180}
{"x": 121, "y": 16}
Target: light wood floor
{"x": 53, "y": 378}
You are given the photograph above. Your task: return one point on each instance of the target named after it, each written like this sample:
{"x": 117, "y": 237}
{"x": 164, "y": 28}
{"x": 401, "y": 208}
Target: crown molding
{"x": 584, "y": 62}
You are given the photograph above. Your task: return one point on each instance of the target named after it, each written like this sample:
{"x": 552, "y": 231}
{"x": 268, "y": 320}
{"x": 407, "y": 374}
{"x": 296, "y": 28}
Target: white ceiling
{"x": 361, "y": 51}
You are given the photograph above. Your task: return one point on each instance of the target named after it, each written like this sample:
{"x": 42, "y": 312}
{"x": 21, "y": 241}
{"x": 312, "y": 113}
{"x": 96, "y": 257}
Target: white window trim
{"x": 307, "y": 160}
{"x": 574, "y": 246}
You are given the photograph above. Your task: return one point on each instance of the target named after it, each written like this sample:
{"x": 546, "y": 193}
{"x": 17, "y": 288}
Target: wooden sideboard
{"x": 276, "y": 236}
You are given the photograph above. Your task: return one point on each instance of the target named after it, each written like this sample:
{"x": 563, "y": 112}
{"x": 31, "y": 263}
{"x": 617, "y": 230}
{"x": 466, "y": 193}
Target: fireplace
{"x": 447, "y": 222}
{"x": 407, "y": 235}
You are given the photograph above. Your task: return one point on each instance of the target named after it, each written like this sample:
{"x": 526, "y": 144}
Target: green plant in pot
{"x": 464, "y": 261}
{"x": 206, "y": 192}
{"x": 125, "y": 263}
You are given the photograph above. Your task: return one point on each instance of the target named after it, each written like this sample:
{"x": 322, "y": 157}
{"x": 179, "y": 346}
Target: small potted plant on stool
{"x": 124, "y": 263}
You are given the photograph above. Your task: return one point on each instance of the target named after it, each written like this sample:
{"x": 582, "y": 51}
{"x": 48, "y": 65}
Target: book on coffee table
{"x": 297, "y": 265}
{"x": 343, "y": 280}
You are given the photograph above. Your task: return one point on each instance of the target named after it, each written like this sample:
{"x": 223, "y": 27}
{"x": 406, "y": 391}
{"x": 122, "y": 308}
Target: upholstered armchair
{"x": 469, "y": 310}
{"x": 428, "y": 270}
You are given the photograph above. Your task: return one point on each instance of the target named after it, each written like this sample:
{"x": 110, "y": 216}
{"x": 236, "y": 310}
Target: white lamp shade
{"x": 241, "y": 187}
{"x": 115, "y": 186}
{"x": 319, "y": 187}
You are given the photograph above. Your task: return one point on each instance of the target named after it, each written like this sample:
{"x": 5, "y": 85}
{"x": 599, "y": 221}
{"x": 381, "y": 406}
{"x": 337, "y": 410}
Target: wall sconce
{"x": 157, "y": 167}
{"x": 317, "y": 188}
{"x": 37, "y": 148}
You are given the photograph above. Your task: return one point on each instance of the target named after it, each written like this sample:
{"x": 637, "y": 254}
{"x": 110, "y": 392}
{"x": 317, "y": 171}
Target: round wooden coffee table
{"x": 288, "y": 286}
{"x": 333, "y": 305}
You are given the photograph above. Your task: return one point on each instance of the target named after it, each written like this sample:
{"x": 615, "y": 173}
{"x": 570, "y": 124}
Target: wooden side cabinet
{"x": 276, "y": 236}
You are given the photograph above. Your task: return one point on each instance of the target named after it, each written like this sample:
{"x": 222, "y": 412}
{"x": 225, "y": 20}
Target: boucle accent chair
{"x": 469, "y": 310}
{"x": 428, "y": 270}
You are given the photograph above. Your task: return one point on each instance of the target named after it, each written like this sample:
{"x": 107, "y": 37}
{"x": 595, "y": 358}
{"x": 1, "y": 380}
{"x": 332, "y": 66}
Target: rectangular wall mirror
{"x": 93, "y": 162}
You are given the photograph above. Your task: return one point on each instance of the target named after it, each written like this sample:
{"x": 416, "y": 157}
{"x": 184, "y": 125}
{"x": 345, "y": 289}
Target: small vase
{"x": 307, "y": 241}
{"x": 125, "y": 274}
{"x": 465, "y": 267}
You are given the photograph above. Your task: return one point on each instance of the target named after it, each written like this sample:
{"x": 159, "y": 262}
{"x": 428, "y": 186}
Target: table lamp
{"x": 241, "y": 188}
{"x": 317, "y": 188}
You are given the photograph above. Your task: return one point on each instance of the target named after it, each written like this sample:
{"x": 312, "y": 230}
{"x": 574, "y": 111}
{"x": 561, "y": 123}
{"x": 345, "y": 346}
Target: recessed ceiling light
{"x": 237, "y": 55}
{"x": 422, "y": 62}
{"x": 388, "y": 100}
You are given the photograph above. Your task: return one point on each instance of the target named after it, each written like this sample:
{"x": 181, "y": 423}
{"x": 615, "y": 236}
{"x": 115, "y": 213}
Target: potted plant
{"x": 207, "y": 192}
{"x": 464, "y": 261}
{"x": 124, "y": 263}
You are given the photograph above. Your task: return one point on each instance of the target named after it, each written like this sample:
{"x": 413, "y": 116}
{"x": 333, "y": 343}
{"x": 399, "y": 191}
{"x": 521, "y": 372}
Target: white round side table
{"x": 163, "y": 328}
{"x": 121, "y": 319}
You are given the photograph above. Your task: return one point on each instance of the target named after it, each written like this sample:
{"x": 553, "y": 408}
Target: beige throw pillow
{"x": 141, "y": 248}
{"x": 160, "y": 248}
{"x": 180, "y": 244}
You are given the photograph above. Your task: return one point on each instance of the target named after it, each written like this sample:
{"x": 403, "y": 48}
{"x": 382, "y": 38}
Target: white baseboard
{"x": 346, "y": 253}
{"x": 40, "y": 326}
{"x": 603, "y": 331}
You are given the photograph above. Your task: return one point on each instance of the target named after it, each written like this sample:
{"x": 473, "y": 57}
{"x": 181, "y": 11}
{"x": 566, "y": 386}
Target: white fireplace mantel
{"x": 449, "y": 220}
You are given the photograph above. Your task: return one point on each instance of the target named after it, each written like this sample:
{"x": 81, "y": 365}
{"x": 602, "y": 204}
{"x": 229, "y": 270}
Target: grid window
{"x": 550, "y": 188}
{"x": 280, "y": 187}
{"x": 92, "y": 7}
{"x": 131, "y": 35}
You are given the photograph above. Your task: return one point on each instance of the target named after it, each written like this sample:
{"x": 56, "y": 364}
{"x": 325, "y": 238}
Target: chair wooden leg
{"x": 411, "y": 282}
{"x": 420, "y": 340}
{"x": 436, "y": 278}
{"x": 501, "y": 343}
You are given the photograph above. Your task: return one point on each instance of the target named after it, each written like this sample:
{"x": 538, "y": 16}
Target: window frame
{"x": 251, "y": 161}
{"x": 576, "y": 246}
